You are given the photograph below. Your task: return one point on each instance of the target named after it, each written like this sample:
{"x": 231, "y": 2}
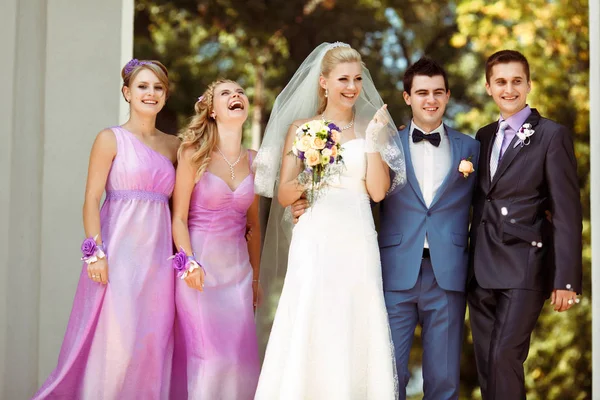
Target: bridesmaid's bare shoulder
{"x": 171, "y": 143}
{"x": 106, "y": 142}
{"x": 106, "y": 134}
{"x": 187, "y": 152}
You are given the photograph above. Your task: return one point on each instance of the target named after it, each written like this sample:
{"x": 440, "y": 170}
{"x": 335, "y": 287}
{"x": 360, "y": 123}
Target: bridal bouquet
{"x": 317, "y": 145}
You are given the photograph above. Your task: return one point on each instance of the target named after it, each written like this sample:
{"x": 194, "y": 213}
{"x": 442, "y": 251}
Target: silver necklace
{"x": 231, "y": 166}
{"x": 343, "y": 128}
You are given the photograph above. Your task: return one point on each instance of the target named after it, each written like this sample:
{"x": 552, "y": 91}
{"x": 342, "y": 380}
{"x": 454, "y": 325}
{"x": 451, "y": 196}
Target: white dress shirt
{"x": 431, "y": 164}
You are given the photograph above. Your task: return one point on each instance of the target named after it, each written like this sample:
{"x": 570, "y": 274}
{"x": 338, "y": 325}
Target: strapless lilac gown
{"x": 119, "y": 343}
{"x": 217, "y": 354}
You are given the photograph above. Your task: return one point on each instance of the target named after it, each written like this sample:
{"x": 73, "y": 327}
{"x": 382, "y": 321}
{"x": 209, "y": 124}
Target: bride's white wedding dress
{"x": 330, "y": 338}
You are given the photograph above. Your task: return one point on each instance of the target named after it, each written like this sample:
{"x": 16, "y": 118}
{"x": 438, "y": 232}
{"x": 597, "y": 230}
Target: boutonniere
{"x": 523, "y": 135}
{"x": 466, "y": 167}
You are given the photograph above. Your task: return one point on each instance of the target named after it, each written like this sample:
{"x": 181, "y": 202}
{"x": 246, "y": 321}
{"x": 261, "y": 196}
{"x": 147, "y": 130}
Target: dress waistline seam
{"x": 136, "y": 195}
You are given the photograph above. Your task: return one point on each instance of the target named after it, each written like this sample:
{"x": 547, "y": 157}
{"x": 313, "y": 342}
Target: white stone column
{"x": 61, "y": 78}
{"x": 594, "y": 11}
{"x": 8, "y": 32}
{"x": 23, "y": 138}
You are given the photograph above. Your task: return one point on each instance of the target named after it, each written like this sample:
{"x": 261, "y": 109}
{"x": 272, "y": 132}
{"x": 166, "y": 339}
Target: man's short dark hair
{"x": 427, "y": 67}
{"x": 505, "y": 57}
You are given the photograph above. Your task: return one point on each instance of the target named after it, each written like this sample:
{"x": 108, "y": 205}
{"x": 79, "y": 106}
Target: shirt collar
{"x": 517, "y": 120}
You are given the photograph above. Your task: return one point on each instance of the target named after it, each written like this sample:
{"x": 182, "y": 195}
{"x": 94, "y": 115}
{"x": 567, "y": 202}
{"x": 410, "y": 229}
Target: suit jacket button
{"x": 488, "y": 198}
{"x": 429, "y": 213}
{"x": 483, "y": 221}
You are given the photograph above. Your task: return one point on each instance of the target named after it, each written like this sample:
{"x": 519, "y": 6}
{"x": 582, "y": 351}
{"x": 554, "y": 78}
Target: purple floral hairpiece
{"x": 131, "y": 65}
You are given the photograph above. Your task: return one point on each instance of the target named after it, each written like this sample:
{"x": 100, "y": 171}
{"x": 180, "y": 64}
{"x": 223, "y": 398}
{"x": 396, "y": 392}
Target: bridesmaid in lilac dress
{"x": 118, "y": 343}
{"x": 213, "y": 204}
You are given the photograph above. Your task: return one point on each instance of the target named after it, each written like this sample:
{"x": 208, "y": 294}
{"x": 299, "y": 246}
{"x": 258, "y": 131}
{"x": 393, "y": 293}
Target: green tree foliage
{"x": 260, "y": 43}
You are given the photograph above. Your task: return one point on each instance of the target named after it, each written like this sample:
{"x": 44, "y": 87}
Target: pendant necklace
{"x": 231, "y": 166}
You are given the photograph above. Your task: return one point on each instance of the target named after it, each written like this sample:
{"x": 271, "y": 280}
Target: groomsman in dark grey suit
{"x": 518, "y": 257}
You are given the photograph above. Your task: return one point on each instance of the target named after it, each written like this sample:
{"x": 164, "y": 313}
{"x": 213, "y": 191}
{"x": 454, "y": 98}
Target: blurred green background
{"x": 260, "y": 43}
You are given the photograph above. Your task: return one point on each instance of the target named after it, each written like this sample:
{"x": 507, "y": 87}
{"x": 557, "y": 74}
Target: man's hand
{"x": 298, "y": 208}
{"x": 562, "y": 300}
{"x": 248, "y": 232}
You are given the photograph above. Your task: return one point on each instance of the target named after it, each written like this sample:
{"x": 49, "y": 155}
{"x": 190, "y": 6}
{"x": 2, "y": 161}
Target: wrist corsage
{"x": 184, "y": 264}
{"x": 91, "y": 251}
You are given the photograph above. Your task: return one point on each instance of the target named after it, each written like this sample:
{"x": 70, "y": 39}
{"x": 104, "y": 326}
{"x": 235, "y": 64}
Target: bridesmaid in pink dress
{"x": 213, "y": 203}
{"x": 118, "y": 343}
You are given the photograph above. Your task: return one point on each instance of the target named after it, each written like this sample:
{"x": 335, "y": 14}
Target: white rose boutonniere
{"x": 466, "y": 167}
{"x": 523, "y": 135}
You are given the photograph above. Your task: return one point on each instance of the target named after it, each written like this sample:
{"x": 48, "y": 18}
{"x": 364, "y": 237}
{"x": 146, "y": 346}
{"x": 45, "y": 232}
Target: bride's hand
{"x": 380, "y": 119}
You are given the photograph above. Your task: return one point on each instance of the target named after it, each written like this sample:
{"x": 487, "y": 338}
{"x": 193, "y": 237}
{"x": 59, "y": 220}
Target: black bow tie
{"x": 434, "y": 138}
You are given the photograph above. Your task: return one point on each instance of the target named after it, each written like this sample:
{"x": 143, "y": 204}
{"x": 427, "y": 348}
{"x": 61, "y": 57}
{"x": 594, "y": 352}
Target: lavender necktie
{"x": 495, "y": 156}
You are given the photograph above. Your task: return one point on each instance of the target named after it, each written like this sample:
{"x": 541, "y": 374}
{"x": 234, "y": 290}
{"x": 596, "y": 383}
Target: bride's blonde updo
{"x": 201, "y": 133}
{"x": 331, "y": 59}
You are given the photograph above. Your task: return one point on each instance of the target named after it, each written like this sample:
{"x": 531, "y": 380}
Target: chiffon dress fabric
{"x": 216, "y": 345}
{"x": 119, "y": 339}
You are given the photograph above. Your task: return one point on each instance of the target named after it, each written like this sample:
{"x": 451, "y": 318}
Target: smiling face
{"x": 428, "y": 98}
{"x": 229, "y": 102}
{"x": 146, "y": 94}
{"x": 343, "y": 84}
{"x": 509, "y": 86}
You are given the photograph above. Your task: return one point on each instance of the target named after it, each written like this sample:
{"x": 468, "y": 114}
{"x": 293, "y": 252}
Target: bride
{"x": 330, "y": 337}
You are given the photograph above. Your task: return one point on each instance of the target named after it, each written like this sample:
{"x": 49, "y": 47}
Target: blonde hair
{"x": 331, "y": 59}
{"x": 129, "y": 72}
{"x": 201, "y": 133}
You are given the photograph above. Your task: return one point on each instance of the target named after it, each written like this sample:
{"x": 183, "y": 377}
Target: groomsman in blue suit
{"x": 423, "y": 235}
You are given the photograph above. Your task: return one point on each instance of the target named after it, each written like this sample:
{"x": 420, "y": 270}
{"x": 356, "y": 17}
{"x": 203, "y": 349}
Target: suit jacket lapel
{"x": 455, "y": 152}
{"x": 512, "y": 151}
{"x": 410, "y": 170}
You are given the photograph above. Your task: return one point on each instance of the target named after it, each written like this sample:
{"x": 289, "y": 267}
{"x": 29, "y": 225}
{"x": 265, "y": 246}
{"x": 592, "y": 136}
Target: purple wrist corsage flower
{"x": 184, "y": 264}
{"x": 89, "y": 247}
{"x": 91, "y": 252}
{"x": 179, "y": 261}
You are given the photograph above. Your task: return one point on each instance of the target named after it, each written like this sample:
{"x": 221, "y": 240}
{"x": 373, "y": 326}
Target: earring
{"x": 326, "y": 92}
